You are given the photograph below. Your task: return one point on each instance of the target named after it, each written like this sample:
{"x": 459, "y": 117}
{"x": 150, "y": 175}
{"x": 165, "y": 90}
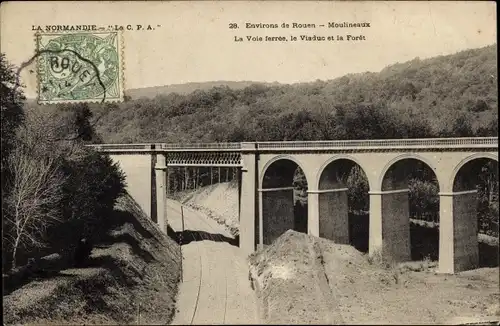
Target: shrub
{"x": 93, "y": 184}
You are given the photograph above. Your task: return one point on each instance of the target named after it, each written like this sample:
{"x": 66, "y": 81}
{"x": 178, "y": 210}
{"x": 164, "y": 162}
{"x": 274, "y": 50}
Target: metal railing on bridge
{"x": 368, "y": 144}
{"x": 489, "y": 142}
{"x": 200, "y": 146}
{"x": 123, "y": 147}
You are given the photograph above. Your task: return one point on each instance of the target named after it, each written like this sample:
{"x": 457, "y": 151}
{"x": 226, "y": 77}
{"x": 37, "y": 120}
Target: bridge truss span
{"x": 197, "y": 154}
{"x": 208, "y": 159}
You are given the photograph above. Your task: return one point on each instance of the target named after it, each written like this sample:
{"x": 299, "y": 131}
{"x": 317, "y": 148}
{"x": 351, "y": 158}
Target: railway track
{"x": 192, "y": 222}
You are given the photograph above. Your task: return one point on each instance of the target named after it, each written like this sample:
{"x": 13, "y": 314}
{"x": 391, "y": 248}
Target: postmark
{"x": 79, "y": 67}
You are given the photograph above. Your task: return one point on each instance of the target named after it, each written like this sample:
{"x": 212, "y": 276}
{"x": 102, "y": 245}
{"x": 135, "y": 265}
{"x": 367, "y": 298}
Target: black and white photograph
{"x": 249, "y": 162}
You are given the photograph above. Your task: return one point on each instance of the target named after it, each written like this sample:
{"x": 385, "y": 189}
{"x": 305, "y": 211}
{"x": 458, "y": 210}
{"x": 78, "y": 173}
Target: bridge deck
{"x": 368, "y": 144}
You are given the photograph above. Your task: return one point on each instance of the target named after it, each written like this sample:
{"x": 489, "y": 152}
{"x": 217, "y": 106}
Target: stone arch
{"x": 277, "y": 158}
{"x": 469, "y": 213}
{"x": 407, "y": 156}
{"x": 281, "y": 206}
{"x": 340, "y": 157}
{"x": 336, "y": 221}
{"x": 405, "y": 239}
{"x": 462, "y": 163}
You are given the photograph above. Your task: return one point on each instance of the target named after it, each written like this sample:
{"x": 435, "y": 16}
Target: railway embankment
{"x": 218, "y": 201}
{"x": 131, "y": 277}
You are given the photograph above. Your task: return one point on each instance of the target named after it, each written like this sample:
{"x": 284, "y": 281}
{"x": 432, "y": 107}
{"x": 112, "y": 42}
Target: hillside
{"x": 131, "y": 278}
{"x": 150, "y": 92}
{"x": 454, "y": 95}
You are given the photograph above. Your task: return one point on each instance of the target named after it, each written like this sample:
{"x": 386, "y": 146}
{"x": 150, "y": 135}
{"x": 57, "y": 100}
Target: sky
{"x": 192, "y": 41}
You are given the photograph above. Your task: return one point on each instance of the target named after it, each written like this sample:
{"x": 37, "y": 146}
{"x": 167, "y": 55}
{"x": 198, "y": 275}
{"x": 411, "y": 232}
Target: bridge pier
{"x": 458, "y": 246}
{"x": 161, "y": 191}
{"x": 248, "y": 200}
{"x": 331, "y": 214}
{"x": 313, "y": 226}
{"x": 390, "y": 225}
{"x": 277, "y": 213}
{"x": 375, "y": 228}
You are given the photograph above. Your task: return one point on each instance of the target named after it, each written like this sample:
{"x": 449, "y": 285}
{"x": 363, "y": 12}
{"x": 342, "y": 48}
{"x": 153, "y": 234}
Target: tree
{"x": 300, "y": 185}
{"x": 358, "y": 189}
{"x": 424, "y": 199}
{"x": 368, "y": 122}
{"x": 35, "y": 182}
{"x": 90, "y": 191}
{"x": 487, "y": 204}
{"x": 490, "y": 130}
{"x": 11, "y": 104}
{"x": 11, "y": 99}
{"x": 462, "y": 127}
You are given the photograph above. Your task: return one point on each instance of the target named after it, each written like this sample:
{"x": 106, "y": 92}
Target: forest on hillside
{"x": 454, "y": 95}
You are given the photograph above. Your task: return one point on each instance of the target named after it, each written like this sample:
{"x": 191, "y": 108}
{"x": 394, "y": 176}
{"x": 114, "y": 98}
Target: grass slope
{"x": 131, "y": 277}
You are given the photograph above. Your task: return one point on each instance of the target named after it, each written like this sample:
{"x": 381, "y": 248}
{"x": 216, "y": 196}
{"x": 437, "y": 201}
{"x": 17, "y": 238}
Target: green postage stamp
{"x": 79, "y": 67}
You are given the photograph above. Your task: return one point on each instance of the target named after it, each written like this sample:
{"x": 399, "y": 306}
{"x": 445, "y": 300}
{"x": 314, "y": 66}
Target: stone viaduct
{"x": 266, "y": 191}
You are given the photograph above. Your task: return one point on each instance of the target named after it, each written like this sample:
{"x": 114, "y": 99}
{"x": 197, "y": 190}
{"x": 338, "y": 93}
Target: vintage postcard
{"x": 249, "y": 162}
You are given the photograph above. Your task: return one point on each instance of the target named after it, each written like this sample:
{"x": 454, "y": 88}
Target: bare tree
{"x": 43, "y": 132}
{"x": 34, "y": 199}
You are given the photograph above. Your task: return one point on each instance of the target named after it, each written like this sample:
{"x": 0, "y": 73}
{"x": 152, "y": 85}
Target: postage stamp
{"x": 79, "y": 67}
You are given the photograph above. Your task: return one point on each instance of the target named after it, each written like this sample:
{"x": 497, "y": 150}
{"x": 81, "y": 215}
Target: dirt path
{"x": 215, "y": 287}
